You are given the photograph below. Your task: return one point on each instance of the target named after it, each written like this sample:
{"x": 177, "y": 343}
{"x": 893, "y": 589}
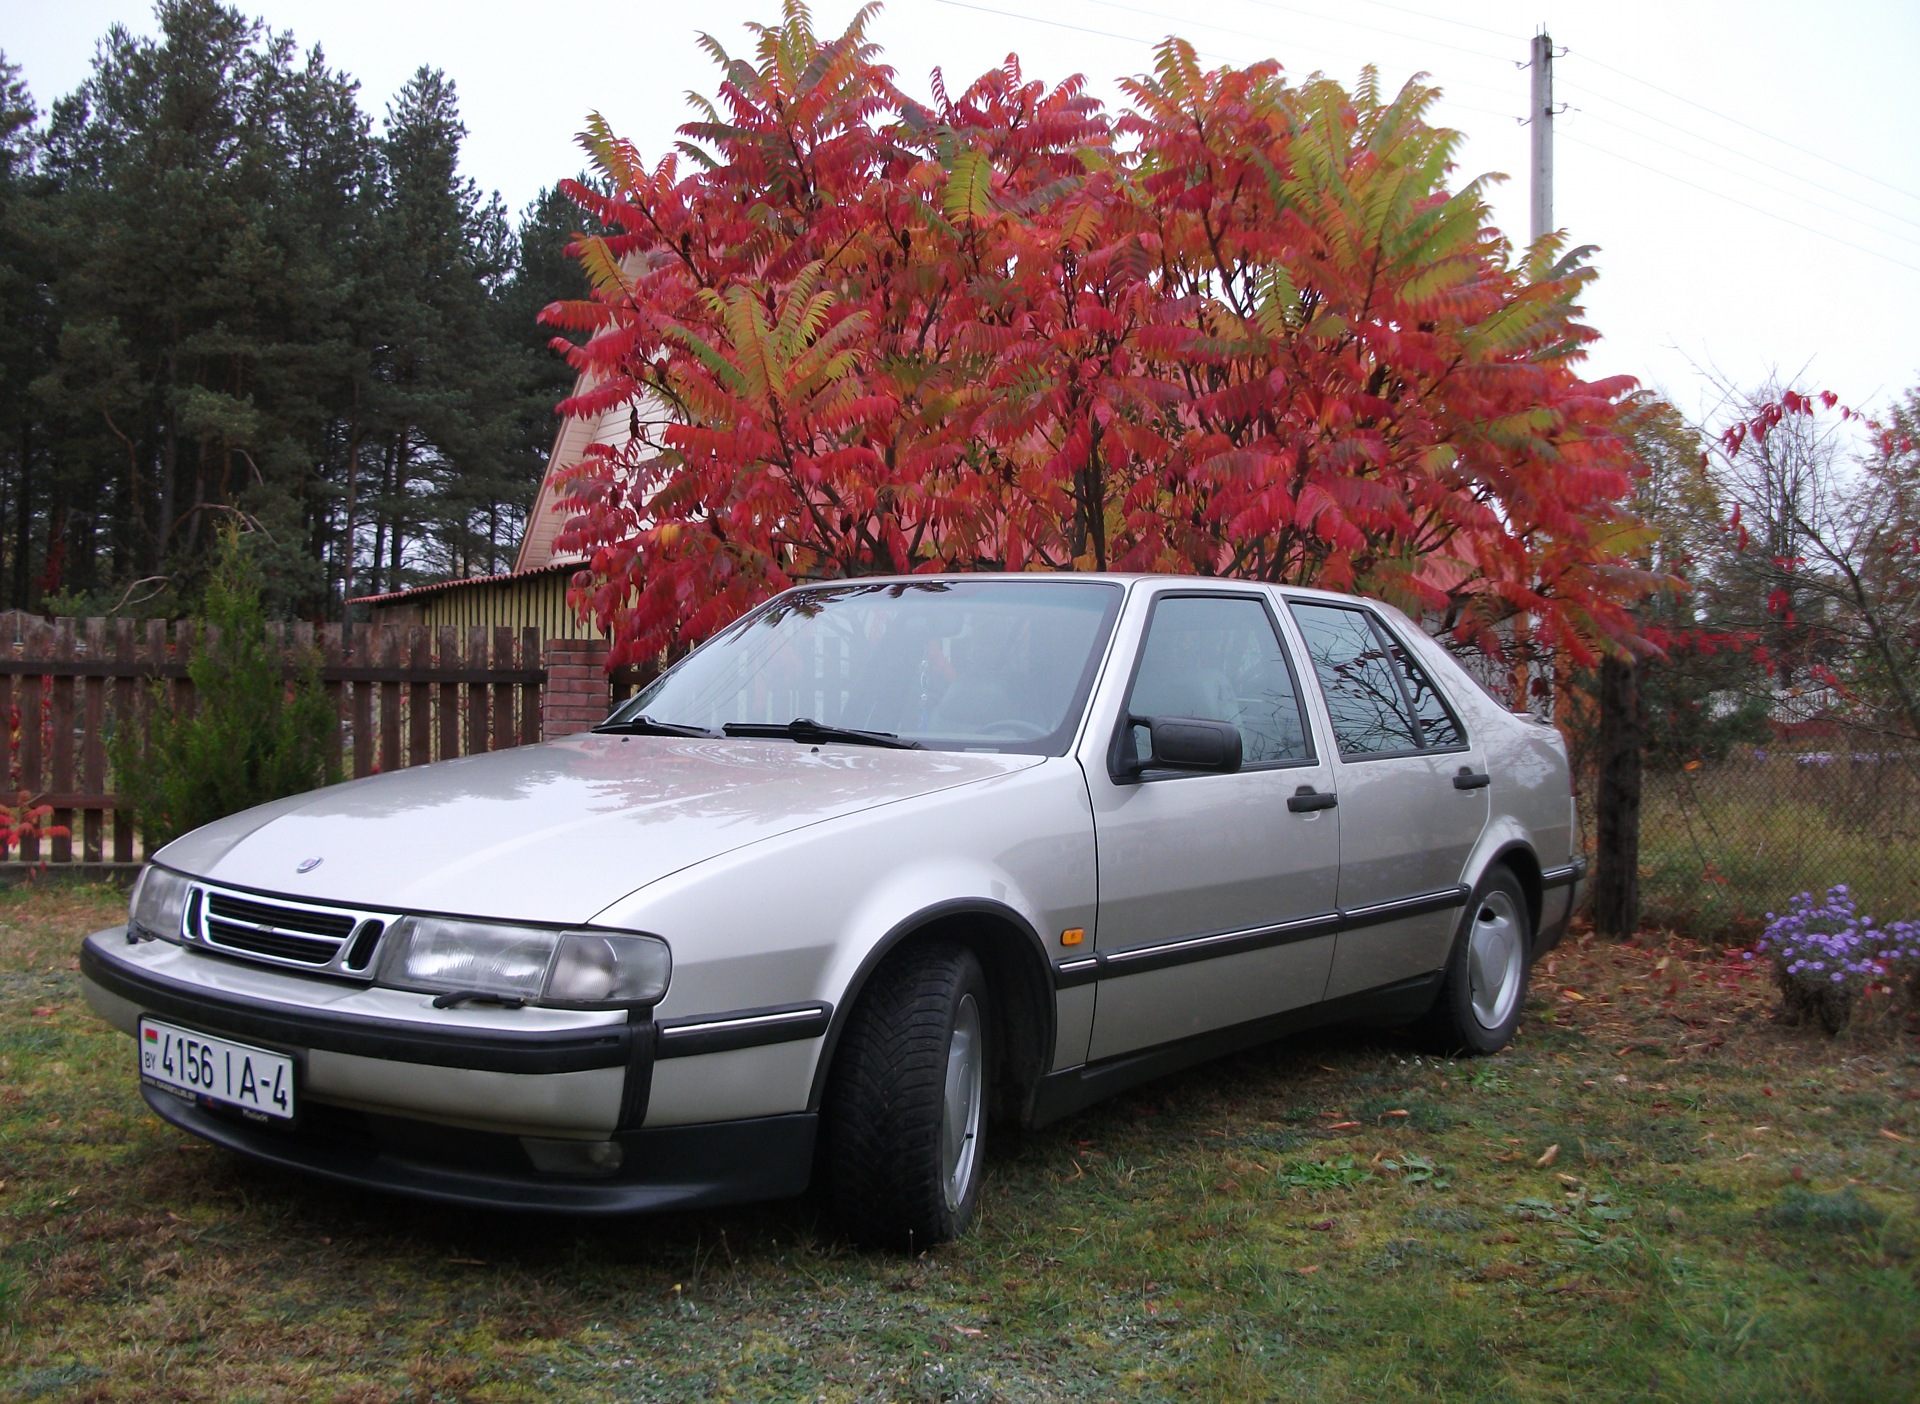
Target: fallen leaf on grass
{"x": 45, "y": 1010}
{"x": 1344, "y": 1126}
{"x": 1397, "y": 1111}
{"x": 1309, "y": 1270}
{"x": 1573, "y": 995}
{"x": 970, "y": 1330}
{"x": 1549, "y": 1155}
{"x": 1890, "y": 1135}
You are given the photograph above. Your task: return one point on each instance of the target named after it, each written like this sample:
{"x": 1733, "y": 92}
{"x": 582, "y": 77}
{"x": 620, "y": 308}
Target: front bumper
{"x": 664, "y": 1167}
{"x": 442, "y": 1104}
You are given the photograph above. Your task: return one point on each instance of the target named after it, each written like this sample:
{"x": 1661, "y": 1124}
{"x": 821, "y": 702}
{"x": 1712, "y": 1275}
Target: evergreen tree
{"x": 226, "y": 298}
{"x": 251, "y": 737}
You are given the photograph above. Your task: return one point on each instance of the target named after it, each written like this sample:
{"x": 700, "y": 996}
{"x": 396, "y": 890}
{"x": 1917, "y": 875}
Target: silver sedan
{"x": 885, "y": 863}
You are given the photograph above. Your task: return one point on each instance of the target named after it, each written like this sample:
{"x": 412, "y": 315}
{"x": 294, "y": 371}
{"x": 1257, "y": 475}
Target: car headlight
{"x": 159, "y": 904}
{"x": 582, "y": 969}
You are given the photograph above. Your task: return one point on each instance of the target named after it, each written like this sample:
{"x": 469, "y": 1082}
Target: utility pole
{"x": 1540, "y": 118}
{"x": 1527, "y": 672}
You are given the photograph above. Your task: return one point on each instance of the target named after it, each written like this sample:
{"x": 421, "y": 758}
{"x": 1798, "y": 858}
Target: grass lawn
{"x": 1656, "y": 1194}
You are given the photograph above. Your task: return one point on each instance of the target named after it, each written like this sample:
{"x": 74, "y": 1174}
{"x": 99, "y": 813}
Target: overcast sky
{"x": 1750, "y": 172}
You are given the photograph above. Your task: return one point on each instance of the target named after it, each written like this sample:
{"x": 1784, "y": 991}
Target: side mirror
{"x": 1187, "y": 743}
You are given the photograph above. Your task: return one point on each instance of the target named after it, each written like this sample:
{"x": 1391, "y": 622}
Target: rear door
{"x": 1216, "y": 895}
{"x": 1413, "y": 797}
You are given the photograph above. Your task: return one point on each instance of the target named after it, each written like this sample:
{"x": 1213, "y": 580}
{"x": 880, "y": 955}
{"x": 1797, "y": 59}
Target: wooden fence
{"x": 405, "y": 695}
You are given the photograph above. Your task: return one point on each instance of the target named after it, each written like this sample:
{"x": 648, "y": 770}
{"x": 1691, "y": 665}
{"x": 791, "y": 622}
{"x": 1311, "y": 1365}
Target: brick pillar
{"x": 576, "y": 696}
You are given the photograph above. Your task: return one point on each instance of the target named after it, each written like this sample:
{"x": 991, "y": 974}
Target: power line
{"x": 1757, "y": 160}
{"x": 1745, "y": 205}
{"x": 1439, "y": 19}
{"x": 1713, "y": 112}
{"x": 1269, "y": 39}
{"x": 1362, "y": 24}
{"x": 1060, "y": 24}
{"x": 1176, "y": 19}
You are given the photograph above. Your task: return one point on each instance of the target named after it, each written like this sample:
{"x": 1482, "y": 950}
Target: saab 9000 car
{"x": 883, "y": 863}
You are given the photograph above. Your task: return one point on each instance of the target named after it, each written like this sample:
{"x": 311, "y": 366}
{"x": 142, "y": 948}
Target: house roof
{"x": 467, "y": 582}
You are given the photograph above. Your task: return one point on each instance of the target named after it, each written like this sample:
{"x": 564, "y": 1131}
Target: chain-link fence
{"x": 1734, "y": 831}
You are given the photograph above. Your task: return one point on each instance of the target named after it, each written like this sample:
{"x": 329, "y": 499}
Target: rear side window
{"x": 1379, "y": 699}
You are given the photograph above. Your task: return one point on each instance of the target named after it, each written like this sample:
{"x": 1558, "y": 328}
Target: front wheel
{"x": 1485, "y": 983}
{"x": 907, "y": 1101}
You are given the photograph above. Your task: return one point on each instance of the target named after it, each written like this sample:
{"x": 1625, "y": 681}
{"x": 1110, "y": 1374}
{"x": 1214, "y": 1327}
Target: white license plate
{"x": 200, "y": 1065}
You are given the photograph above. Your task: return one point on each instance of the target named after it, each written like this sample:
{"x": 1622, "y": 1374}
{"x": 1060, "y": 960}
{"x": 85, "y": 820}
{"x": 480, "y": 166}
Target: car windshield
{"x": 994, "y": 665}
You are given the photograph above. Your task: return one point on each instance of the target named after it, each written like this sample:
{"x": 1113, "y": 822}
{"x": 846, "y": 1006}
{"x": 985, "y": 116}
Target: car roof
{"x": 1122, "y": 578}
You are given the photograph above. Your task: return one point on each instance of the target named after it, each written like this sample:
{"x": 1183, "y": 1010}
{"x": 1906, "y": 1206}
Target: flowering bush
{"x": 1827, "y": 954}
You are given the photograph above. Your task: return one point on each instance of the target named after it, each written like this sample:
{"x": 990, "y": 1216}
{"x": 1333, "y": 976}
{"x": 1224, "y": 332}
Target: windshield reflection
{"x": 994, "y": 665}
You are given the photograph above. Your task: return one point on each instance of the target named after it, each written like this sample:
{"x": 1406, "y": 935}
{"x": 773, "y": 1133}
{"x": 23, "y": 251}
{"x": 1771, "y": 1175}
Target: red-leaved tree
{"x": 1245, "y": 327}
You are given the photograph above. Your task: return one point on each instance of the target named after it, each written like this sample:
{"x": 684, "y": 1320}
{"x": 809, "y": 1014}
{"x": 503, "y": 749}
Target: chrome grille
{"x": 337, "y": 940}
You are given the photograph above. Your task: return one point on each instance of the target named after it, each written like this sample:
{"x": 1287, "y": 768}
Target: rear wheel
{"x": 907, "y": 1101}
{"x": 1485, "y": 983}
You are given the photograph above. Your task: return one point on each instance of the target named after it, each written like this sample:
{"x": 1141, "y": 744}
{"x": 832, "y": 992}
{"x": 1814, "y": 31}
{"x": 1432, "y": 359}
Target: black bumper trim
{"x": 695, "y": 1034}
{"x": 1161, "y": 955}
{"x": 664, "y": 1167}
{"x": 1564, "y": 877}
{"x": 537, "y": 1052}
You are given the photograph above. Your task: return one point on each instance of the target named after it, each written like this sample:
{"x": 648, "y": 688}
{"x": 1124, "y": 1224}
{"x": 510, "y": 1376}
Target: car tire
{"x": 907, "y": 1099}
{"x": 1484, "y": 987}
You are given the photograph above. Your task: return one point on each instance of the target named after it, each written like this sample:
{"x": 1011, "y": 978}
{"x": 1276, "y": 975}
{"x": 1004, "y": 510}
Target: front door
{"x": 1216, "y": 896}
{"x": 1413, "y": 798}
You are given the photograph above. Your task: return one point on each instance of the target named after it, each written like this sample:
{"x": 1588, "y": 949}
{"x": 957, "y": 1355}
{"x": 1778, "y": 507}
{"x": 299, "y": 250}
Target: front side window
{"x": 1379, "y": 699}
{"x": 1218, "y": 657}
{"x": 989, "y": 665}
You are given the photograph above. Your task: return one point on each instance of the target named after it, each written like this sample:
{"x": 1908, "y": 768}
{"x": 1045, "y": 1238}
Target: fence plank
{"x": 33, "y": 779}
{"x": 447, "y": 698}
{"x": 10, "y": 718}
{"x": 529, "y": 691}
{"x": 358, "y": 639}
{"x": 419, "y": 658}
{"x": 333, "y": 655}
{"x": 385, "y": 651}
{"x": 180, "y": 687}
{"x": 476, "y": 698}
{"x": 505, "y": 733}
{"x": 61, "y": 721}
{"x": 93, "y": 744}
{"x": 124, "y": 649}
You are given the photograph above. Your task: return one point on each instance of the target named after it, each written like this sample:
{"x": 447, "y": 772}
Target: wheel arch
{"x": 1019, "y": 982}
{"x": 1518, "y": 857}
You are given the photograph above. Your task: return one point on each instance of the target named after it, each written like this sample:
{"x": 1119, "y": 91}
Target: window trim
{"x": 1120, "y": 727}
{"x": 1392, "y": 640}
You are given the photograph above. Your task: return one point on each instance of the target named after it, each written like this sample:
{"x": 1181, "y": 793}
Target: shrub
{"x": 1827, "y": 954}
{"x": 253, "y": 735}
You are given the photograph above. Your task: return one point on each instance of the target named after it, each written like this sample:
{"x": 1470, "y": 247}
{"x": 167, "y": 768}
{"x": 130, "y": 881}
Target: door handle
{"x": 1467, "y": 780}
{"x": 1305, "y": 798}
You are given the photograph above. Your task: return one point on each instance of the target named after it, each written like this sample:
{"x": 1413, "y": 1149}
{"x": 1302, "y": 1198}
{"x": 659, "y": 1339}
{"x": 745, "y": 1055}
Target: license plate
{"x": 200, "y": 1065}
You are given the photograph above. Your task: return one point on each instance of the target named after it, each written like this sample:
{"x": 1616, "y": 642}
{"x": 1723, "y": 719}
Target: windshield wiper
{"x": 806, "y": 729}
{"x": 644, "y": 725}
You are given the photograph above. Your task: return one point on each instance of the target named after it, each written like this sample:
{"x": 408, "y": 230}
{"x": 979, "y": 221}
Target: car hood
{"x": 556, "y": 832}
